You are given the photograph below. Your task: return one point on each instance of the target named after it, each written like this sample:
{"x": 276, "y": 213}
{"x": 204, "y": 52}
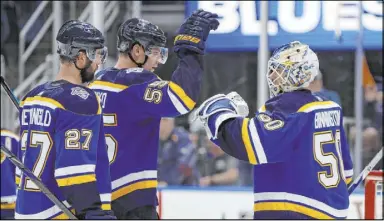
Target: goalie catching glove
{"x": 219, "y": 108}
{"x": 193, "y": 33}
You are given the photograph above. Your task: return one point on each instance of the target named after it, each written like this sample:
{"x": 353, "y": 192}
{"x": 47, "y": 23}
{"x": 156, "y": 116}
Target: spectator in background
{"x": 198, "y": 137}
{"x": 317, "y": 87}
{"x": 222, "y": 169}
{"x": 245, "y": 173}
{"x": 374, "y": 105}
{"x": 177, "y": 156}
{"x": 9, "y": 35}
{"x": 373, "y": 111}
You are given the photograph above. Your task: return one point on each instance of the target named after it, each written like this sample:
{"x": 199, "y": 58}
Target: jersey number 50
{"x": 110, "y": 120}
{"x": 329, "y": 159}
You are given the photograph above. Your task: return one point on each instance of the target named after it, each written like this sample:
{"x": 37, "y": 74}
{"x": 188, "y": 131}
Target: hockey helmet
{"x": 139, "y": 31}
{"x": 76, "y": 35}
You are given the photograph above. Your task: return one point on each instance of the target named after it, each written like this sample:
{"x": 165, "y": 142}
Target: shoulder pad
{"x": 34, "y": 92}
{"x": 126, "y": 77}
{"x": 80, "y": 100}
{"x": 129, "y": 77}
{"x": 320, "y": 96}
{"x": 290, "y": 102}
{"x": 68, "y": 96}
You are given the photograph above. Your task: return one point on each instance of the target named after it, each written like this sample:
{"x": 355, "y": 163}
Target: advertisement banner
{"x": 311, "y": 22}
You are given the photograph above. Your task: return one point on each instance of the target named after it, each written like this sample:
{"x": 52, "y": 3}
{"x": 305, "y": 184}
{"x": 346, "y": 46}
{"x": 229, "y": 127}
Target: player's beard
{"x": 87, "y": 74}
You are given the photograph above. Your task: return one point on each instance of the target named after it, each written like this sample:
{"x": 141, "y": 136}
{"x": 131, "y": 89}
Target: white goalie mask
{"x": 291, "y": 67}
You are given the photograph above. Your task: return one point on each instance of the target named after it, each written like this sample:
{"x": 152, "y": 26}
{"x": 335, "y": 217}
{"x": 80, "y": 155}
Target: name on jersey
{"x": 36, "y": 116}
{"x": 103, "y": 98}
{"x": 327, "y": 119}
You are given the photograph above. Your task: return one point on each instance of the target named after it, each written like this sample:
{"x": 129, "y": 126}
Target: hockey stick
{"x": 365, "y": 172}
{"x": 9, "y": 92}
{"x": 37, "y": 181}
{"x": 25, "y": 170}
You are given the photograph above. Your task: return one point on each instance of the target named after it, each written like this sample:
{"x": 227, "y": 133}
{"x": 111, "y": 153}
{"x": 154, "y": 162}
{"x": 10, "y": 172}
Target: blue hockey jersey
{"x": 302, "y": 162}
{"x": 8, "y": 186}
{"x": 63, "y": 144}
{"x": 133, "y": 102}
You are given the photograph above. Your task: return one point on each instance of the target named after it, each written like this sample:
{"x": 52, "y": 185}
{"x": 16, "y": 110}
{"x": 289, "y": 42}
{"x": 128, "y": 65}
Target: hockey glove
{"x": 193, "y": 33}
{"x": 219, "y": 108}
{"x": 100, "y": 214}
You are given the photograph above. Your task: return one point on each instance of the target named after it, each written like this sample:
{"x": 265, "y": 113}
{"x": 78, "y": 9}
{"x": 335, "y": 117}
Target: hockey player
{"x": 296, "y": 141}
{"x": 8, "y": 176}
{"x": 134, "y": 99}
{"x": 62, "y": 134}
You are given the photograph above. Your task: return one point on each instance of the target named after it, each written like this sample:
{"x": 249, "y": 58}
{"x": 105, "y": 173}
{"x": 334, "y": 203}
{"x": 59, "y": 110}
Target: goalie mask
{"x": 291, "y": 67}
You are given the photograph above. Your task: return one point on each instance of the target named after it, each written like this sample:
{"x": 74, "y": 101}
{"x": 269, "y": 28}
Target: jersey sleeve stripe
{"x": 98, "y": 105}
{"x": 8, "y": 206}
{"x": 69, "y": 181}
{"x": 182, "y": 95}
{"x": 43, "y": 101}
{"x": 106, "y": 206}
{"x": 108, "y": 86}
{"x": 317, "y": 105}
{"x": 146, "y": 174}
{"x": 348, "y": 180}
{"x": 348, "y": 173}
{"x": 277, "y": 206}
{"x": 247, "y": 142}
{"x": 8, "y": 133}
{"x": 46, "y": 214}
{"x": 72, "y": 170}
{"x": 145, "y": 184}
{"x": 17, "y": 180}
{"x": 17, "y": 172}
{"x": 257, "y": 143}
{"x": 262, "y": 109}
{"x": 178, "y": 105}
{"x": 110, "y": 120}
{"x": 105, "y": 197}
{"x": 8, "y": 199}
{"x": 63, "y": 216}
{"x": 302, "y": 200}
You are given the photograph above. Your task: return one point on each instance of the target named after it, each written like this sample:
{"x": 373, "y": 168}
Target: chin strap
{"x": 138, "y": 64}
{"x": 133, "y": 60}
